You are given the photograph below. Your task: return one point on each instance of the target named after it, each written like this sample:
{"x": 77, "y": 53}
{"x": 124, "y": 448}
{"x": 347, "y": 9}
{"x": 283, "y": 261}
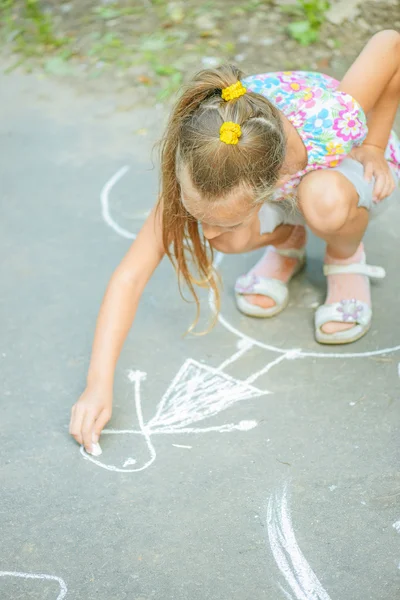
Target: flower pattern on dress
{"x": 318, "y": 123}
{"x": 335, "y": 151}
{"x": 310, "y": 97}
{"x": 351, "y": 310}
{"x": 334, "y": 148}
{"x": 293, "y": 86}
{"x": 348, "y": 126}
{"x": 330, "y": 122}
{"x": 297, "y": 118}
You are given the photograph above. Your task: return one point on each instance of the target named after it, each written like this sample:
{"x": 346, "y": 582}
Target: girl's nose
{"x": 211, "y": 232}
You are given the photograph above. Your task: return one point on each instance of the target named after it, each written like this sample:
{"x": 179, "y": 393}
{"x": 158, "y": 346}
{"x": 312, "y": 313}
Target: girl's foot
{"x": 278, "y": 264}
{"x": 346, "y": 315}
{"x": 346, "y": 286}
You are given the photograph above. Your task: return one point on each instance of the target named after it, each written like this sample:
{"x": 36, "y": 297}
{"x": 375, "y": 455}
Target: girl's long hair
{"x": 191, "y": 140}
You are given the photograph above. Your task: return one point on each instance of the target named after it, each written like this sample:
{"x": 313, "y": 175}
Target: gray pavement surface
{"x": 188, "y": 519}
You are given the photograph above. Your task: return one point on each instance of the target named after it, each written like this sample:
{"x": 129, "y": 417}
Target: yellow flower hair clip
{"x": 233, "y": 91}
{"x": 230, "y": 132}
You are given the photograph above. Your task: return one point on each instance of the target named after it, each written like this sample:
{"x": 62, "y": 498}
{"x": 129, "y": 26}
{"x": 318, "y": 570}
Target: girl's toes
{"x": 258, "y": 300}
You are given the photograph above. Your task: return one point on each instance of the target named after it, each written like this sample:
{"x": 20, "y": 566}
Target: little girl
{"x": 247, "y": 164}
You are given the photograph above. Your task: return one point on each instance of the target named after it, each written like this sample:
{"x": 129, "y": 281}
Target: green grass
{"x": 112, "y": 35}
{"x": 308, "y": 16}
{"x": 30, "y": 29}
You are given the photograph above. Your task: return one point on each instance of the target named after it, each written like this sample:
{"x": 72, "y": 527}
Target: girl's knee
{"x": 326, "y": 199}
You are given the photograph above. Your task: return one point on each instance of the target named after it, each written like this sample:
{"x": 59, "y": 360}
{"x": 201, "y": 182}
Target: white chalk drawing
{"x": 105, "y": 205}
{"x": 198, "y": 391}
{"x": 61, "y": 583}
{"x": 299, "y": 576}
{"x": 397, "y": 526}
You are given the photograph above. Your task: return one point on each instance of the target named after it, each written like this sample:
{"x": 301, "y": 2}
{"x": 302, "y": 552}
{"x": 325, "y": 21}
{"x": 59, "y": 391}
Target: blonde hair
{"x": 192, "y": 140}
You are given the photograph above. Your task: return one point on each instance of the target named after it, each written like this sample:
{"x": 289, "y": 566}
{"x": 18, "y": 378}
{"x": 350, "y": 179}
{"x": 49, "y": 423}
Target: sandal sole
{"x": 337, "y": 342}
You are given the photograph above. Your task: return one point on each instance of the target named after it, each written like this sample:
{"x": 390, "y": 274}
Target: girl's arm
{"x": 93, "y": 409}
{"x": 374, "y": 81}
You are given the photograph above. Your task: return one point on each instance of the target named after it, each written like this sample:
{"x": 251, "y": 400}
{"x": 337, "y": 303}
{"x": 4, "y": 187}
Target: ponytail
{"x": 192, "y": 139}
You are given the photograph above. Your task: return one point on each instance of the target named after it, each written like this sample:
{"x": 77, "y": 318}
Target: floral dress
{"x": 329, "y": 122}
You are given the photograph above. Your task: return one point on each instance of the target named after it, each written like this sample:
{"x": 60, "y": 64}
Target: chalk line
{"x": 136, "y": 377}
{"x": 244, "y": 425}
{"x": 61, "y": 582}
{"x": 105, "y": 205}
{"x": 290, "y": 560}
{"x": 182, "y": 446}
{"x": 288, "y": 356}
{"x": 265, "y": 369}
{"x": 245, "y": 347}
{"x": 285, "y": 592}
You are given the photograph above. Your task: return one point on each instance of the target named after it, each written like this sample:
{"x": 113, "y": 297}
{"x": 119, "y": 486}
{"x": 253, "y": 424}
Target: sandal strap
{"x": 357, "y": 269}
{"x": 291, "y": 252}
{"x": 346, "y": 311}
{"x": 265, "y": 286}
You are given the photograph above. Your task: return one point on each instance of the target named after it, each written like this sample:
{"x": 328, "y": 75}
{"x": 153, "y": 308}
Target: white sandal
{"x": 267, "y": 286}
{"x": 347, "y": 310}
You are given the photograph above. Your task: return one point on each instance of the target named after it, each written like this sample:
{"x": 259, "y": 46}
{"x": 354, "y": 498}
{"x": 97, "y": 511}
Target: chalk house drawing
{"x": 62, "y": 588}
{"x": 198, "y": 391}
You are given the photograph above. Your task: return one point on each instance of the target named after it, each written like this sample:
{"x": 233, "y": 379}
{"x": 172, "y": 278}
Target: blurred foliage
{"x": 156, "y": 43}
{"x": 309, "y": 15}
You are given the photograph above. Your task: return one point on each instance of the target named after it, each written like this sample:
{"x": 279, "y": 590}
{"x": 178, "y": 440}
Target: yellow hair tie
{"x": 233, "y": 91}
{"x": 230, "y": 132}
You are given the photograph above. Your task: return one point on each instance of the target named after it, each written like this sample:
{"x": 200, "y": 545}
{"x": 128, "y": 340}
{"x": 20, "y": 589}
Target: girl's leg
{"x": 275, "y": 266}
{"x": 329, "y": 203}
{"x": 271, "y": 264}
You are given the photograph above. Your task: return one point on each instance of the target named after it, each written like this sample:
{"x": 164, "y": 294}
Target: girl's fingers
{"x": 390, "y": 185}
{"x": 87, "y": 431}
{"x": 368, "y": 171}
{"x": 75, "y": 426}
{"x": 380, "y": 182}
{"x": 385, "y": 189}
{"x": 100, "y": 423}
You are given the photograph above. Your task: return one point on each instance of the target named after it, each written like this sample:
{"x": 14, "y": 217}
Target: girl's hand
{"x": 89, "y": 416}
{"x": 375, "y": 165}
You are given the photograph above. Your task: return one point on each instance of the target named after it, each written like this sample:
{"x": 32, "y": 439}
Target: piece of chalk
{"x": 96, "y": 450}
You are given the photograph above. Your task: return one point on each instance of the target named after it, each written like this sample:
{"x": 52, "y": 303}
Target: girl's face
{"x": 224, "y": 216}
